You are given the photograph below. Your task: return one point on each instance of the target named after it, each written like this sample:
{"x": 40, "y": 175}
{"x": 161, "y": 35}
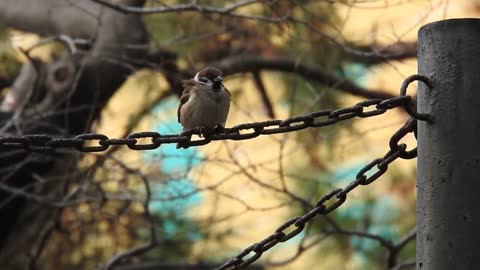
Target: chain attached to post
{"x": 100, "y": 142}
{"x": 409, "y": 105}
{"x": 331, "y": 201}
{"x": 328, "y": 203}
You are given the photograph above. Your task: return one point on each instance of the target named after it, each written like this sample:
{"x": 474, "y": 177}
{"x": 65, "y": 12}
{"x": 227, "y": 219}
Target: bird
{"x": 204, "y": 103}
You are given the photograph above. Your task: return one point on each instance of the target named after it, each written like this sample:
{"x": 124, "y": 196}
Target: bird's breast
{"x": 205, "y": 109}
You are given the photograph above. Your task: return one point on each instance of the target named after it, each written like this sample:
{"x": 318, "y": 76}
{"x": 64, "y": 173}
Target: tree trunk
{"x": 72, "y": 99}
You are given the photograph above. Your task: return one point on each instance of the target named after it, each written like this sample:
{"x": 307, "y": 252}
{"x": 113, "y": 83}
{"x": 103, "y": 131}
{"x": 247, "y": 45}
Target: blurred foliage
{"x": 3, "y": 33}
{"x": 200, "y": 40}
{"x": 9, "y": 68}
{"x": 93, "y": 232}
{"x": 9, "y": 64}
{"x": 208, "y": 38}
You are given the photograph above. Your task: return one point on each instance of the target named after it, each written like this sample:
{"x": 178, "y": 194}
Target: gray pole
{"x": 448, "y": 188}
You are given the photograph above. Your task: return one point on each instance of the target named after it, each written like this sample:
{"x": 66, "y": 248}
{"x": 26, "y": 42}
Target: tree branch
{"x": 375, "y": 54}
{"x": 267, "y": 103}
{"x": 76, "y": 19}
{"x": 226, "y": 11}
{"x": 254, "y": 63}
{"x": 179, "y": 266}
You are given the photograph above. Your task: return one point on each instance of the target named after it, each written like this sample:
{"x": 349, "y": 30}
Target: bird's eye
{"x": 204, "y": 80}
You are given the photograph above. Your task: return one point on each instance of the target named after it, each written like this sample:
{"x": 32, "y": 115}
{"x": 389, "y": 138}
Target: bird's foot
{"x": 203, "y": 131}
{"x": 187, "y": 133}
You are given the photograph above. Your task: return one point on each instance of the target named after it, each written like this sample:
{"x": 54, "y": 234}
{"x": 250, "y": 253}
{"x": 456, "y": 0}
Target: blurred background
{"x": 115, "y": 67}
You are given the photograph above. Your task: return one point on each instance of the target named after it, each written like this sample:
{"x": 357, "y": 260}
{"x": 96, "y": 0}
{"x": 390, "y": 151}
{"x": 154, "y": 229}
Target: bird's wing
{"x": 183, "y": 99}
{"x": 228, "y": 92}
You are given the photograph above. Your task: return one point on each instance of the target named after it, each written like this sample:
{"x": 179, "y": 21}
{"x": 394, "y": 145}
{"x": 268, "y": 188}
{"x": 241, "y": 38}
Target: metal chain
{"x": 101, "y": 142}
{"x": 403, "y": 92}
{"x": 330, "y": 201}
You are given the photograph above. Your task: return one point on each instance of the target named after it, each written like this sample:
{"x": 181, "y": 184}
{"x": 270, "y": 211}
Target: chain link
{"x": 331, "y": 201}
{"x": 403, "y": 92}
{"x": 100, "y": 142}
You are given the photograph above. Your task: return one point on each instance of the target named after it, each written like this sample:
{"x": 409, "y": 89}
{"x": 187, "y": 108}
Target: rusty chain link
{"x": 100, "y": 142}
{"x": 330, "y": 201}
{"x": 403, "y": 92}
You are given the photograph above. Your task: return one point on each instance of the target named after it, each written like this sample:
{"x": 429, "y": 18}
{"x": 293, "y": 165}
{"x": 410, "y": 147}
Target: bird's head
{"x": 211, "y": 77}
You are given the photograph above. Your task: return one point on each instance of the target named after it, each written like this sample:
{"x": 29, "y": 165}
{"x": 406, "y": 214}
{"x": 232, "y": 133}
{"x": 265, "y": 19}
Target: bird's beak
{"x": 217, "y": 83}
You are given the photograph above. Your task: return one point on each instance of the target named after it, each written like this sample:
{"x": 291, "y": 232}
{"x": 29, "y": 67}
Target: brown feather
{"x": 210, "y": 72}
{"x": 187, "y": 84}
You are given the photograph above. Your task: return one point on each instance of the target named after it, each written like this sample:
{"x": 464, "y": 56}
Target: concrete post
{"x": 448, "y": 188}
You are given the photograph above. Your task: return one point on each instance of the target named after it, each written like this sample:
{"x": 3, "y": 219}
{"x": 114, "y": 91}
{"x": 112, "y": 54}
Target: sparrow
{"x": 204, "y": 103}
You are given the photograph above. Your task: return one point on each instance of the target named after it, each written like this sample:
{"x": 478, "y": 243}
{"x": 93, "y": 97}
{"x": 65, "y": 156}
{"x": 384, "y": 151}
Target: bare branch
{"x": 404, "y": 265}
{"x": 374, "y": 54}
{"x": 393, "y": 251}
{"x": 179, "y": 266}
{"x": 37, "y": 17}
{"x": 227, "y": 11}
{"x": 267, "y": 103}
{"x": 382, "y": 241}
{"x": 255, "y": 63}
{"x": 410, "y": 236}
{"x": 148, "y": 216}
